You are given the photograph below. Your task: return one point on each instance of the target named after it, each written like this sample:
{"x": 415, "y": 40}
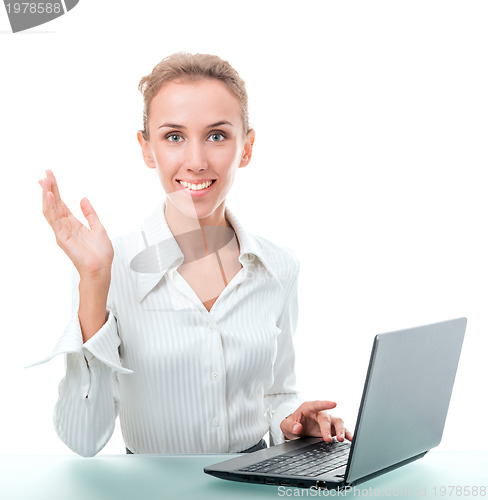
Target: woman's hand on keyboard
{"x": 311, "y": 419}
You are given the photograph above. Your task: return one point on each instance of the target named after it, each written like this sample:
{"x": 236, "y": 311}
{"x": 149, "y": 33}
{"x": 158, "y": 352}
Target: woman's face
{"x": 196, "y": 137}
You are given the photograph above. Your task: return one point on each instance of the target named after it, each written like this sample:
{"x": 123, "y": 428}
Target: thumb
{"x": 90, "y": 214}
{"x": 291, "y": 428}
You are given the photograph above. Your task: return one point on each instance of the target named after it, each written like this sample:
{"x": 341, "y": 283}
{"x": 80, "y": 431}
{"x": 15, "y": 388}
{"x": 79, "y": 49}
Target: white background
{"x": 371, "y": 123}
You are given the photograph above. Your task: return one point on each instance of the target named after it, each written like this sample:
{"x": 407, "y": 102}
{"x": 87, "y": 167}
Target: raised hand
{"x": 90, "y": 250}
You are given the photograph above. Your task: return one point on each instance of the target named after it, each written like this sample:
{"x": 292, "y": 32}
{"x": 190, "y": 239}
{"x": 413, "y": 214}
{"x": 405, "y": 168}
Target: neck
{"x": 193, "y": 240}
{"x": 180, "y": 223}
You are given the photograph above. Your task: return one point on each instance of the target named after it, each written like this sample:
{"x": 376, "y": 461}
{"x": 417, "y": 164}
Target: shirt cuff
{"x": 281, "y": 406}
{"x": 103, "y": 345}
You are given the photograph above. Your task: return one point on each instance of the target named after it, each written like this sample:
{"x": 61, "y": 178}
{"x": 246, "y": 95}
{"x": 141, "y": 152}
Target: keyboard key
{"x": 312, "y": 460}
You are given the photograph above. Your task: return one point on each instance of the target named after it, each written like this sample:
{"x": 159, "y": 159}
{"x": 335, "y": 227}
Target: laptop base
{"x": 277, "y": 481}
{"x": 308, "y": 483}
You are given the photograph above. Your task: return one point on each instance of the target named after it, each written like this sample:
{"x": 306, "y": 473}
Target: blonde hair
{"x": 185, "y": 66}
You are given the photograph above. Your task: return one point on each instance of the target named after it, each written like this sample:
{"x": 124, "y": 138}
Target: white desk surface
{"x": 438, "y": 475}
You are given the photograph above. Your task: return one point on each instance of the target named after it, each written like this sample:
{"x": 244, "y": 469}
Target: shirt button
{"x": 215, "y": 375}
{"x": 216, "y": 422}
{"x": 211, "y": 327}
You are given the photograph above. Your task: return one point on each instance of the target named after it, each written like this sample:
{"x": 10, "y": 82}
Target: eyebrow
{"x": 175, "y": 125}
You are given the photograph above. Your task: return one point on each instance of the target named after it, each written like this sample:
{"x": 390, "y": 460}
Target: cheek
{"x": 168, "y": 161}
{"x": 167, "y": 155}
{"x": 165, "y": 169}
{"x": 226, "y": 157}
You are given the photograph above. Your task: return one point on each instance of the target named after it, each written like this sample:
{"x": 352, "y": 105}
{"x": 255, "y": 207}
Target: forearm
{"x": 87, "y": 407}
{"x": 93, "y": 304}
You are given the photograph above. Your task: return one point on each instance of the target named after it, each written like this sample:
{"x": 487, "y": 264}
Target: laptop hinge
{"x": 386, "y": 469}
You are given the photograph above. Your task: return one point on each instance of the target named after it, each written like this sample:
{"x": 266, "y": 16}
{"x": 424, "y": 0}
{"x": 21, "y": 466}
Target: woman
{"x": 185, "y": 326}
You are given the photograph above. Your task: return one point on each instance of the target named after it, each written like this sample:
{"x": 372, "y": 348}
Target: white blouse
{"x": 184, "y": 379}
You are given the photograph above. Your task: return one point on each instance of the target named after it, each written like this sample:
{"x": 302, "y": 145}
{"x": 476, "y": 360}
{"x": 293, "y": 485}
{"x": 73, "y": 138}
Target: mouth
{"x": 195, "y": 188}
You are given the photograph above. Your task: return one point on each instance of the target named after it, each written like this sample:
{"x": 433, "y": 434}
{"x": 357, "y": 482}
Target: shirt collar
{"x": 153, "y": 251}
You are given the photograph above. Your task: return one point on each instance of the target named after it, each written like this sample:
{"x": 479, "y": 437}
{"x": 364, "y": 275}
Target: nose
{"x": 195, "y": 158}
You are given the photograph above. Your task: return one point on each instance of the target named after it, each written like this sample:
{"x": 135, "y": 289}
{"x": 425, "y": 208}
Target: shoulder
{"x": 126, "y": 247}
{"x": 118, "y": 244}
{"x": 282, "y": 260}
{"x": 278, "y": 254}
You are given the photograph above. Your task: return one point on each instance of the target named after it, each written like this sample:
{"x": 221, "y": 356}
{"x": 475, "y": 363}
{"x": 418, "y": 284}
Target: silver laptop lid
{"x": 406, "y": 396}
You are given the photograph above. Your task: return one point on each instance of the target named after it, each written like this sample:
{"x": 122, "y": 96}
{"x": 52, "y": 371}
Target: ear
{"x": 247, "y": 151}
{"x": 146, "y": 152}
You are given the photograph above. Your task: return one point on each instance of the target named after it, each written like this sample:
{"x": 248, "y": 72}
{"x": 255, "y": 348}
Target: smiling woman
{"x": 185, "y": 327}
{"x": 195, "y": 136}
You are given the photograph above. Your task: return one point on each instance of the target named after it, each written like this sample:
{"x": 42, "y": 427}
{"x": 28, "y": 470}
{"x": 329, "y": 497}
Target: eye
{"x": 216, "y": 137}
{"x": 174, "y": 137}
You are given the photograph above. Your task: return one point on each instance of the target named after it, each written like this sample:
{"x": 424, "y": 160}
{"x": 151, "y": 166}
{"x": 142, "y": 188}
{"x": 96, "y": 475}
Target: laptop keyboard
{"x": 312, "y": 460}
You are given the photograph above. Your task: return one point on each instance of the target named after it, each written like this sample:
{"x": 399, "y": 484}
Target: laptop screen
{"x": 406, "y": 396}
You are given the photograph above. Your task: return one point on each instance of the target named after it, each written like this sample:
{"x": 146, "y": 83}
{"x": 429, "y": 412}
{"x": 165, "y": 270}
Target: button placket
{"x": 231, "y": 286}
{"x": 216, "y": 378}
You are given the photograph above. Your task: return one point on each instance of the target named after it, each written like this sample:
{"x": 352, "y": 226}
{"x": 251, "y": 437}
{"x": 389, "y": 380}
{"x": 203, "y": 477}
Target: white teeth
{"x": 195, "y": 187}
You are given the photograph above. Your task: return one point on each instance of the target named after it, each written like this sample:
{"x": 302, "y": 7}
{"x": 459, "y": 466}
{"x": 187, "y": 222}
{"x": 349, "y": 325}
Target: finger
{"x": 323, "y": 405}
{"x": 325, "y": 425}
{"x": 311, "y": 408}
{"x": 44, "y": 200}
{"x": 61, "y": 206}
{"x": 45, "y": 205}
{"x": 348, "y": 435}
{"x": 54, "y": 186}
{"x": 52, "y": 214}
{"x": 338, "y": 427}
{"x": 90, "y": 214}
{"x": 46, "y": 188}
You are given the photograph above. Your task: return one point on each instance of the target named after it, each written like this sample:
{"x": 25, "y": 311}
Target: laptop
{"x": 401, "y": 417}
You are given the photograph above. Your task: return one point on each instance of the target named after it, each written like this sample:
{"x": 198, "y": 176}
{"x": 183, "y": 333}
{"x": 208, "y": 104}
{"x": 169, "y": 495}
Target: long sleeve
{"x": 88, "y": 404}
{"x": 283, "y": 398}
{"x": 234, "y": 364}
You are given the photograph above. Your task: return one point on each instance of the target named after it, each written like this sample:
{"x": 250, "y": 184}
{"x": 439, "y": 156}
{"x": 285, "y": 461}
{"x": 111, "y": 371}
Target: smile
{"x": 196, "y": 187}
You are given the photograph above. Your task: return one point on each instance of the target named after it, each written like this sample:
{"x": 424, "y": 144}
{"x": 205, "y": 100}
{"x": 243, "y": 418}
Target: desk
{"x": 181, "y": 477}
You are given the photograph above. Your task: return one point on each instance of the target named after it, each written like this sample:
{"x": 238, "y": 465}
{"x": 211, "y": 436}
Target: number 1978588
{"x": 34, "y": 8}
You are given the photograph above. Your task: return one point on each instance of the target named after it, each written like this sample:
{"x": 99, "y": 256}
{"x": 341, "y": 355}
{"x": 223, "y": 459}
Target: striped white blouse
{"x": 184, "y": 380}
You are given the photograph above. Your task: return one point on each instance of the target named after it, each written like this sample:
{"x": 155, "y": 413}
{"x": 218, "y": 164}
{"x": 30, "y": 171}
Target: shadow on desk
{"x": 181, "y": 477}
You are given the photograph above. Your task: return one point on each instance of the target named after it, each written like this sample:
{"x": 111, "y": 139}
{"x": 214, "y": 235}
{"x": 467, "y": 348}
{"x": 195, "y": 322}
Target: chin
{"x": 190, "y": 209}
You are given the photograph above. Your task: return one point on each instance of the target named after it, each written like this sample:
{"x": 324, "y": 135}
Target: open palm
{"x": 90, "y": 250}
